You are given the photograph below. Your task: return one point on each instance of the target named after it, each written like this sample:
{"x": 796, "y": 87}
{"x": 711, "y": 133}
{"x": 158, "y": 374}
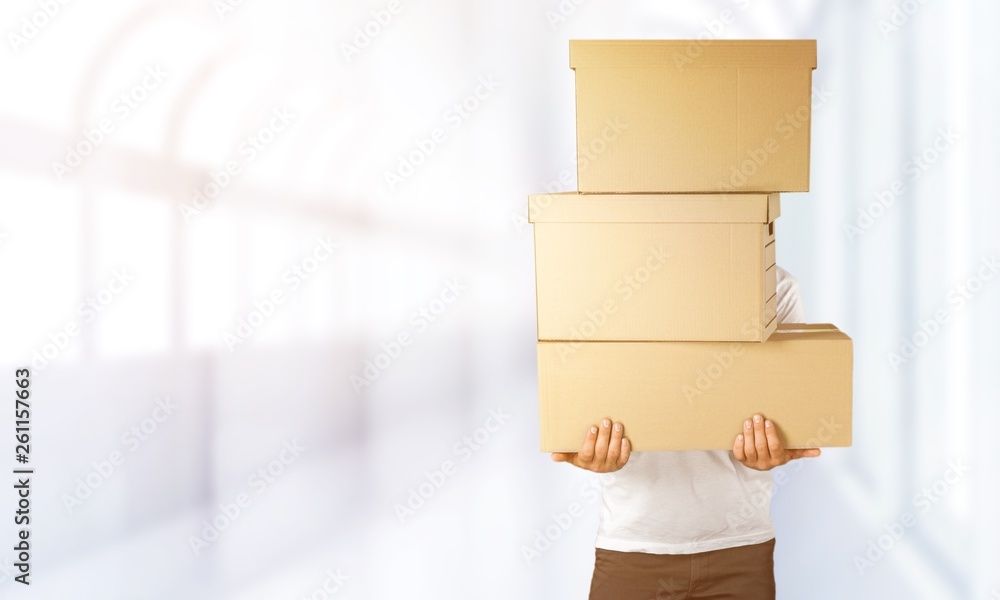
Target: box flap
{"x": 807, "y": 327}
{"x": 574, "y": 207}
{"x": 817, "y": 331}
{"x": 692, "y": 53}
{"x": 773, "y": 207}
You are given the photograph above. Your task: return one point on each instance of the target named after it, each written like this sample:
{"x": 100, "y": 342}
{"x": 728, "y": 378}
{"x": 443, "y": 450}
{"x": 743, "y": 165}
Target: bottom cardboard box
{"x": 696, "y": 395}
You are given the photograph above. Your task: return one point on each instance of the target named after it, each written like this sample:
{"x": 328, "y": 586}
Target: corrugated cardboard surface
{"x": 695, "y": 395}
{"x": 736, "y": 117}
{"x": 770, "y": 281}
{"x": 641, "y": 277}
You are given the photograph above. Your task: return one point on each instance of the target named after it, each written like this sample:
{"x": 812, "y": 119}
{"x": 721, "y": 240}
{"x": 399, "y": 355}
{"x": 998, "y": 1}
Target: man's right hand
{"x": 605, "y": 449}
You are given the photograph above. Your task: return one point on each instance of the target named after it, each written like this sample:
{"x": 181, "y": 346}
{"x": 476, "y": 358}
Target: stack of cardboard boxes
{"x": 656, "y": 282}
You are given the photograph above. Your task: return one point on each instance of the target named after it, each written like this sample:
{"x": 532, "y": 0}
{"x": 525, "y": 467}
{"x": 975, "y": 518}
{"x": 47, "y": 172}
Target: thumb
{"x": 563, "y": 456}
{"x": 804, "y": 453}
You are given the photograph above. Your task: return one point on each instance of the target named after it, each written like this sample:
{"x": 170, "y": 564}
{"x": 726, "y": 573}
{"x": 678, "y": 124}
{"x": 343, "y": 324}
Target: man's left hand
{"x": 758, "y": 447}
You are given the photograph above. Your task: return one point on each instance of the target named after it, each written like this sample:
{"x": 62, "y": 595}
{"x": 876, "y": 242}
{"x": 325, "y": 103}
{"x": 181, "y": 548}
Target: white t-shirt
{"x": 691, "y": 501}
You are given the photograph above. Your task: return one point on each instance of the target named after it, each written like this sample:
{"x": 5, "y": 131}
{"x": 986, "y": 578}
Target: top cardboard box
{"x": 693, "y": 115}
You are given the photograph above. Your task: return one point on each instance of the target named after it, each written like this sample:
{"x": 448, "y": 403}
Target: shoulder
{"x": 790, "y": 308}
{"x": 787, "y": 283}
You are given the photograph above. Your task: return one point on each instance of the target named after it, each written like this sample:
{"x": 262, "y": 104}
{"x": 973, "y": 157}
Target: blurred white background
{"x": 300, "y": 428}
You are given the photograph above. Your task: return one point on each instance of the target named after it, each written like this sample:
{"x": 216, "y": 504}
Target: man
{"x": 671, "y": 522}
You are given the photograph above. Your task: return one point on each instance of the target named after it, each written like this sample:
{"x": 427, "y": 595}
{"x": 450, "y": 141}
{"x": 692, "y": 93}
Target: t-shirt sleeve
{"x": 790, "y": 308}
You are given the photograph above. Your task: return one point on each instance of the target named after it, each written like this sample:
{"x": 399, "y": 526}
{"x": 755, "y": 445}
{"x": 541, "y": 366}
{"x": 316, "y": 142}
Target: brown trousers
{"x": 744, "y": 573}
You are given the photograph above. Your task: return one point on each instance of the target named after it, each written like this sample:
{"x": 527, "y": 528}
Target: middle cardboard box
{"x": 655, "y": 267}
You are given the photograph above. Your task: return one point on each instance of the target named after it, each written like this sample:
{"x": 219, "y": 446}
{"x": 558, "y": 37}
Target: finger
{"x": 774, "y": 447}
{"x": 563, "y": 456}
{"x": 615, "y": 445}
{"x": 749, "y": 449}
{"x": 803, "y": 453}
{"x": 603, "y": 437}
{"x": 738, "y": 449}
{"x": 626, "y": 452}
{"x": 586, "y": 454}
{"x": 760, "y": 438}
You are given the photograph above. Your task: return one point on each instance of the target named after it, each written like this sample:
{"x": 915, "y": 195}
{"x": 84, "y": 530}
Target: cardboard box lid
{"x": 574, "y": 207}
{"x": 693, "y": 53}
